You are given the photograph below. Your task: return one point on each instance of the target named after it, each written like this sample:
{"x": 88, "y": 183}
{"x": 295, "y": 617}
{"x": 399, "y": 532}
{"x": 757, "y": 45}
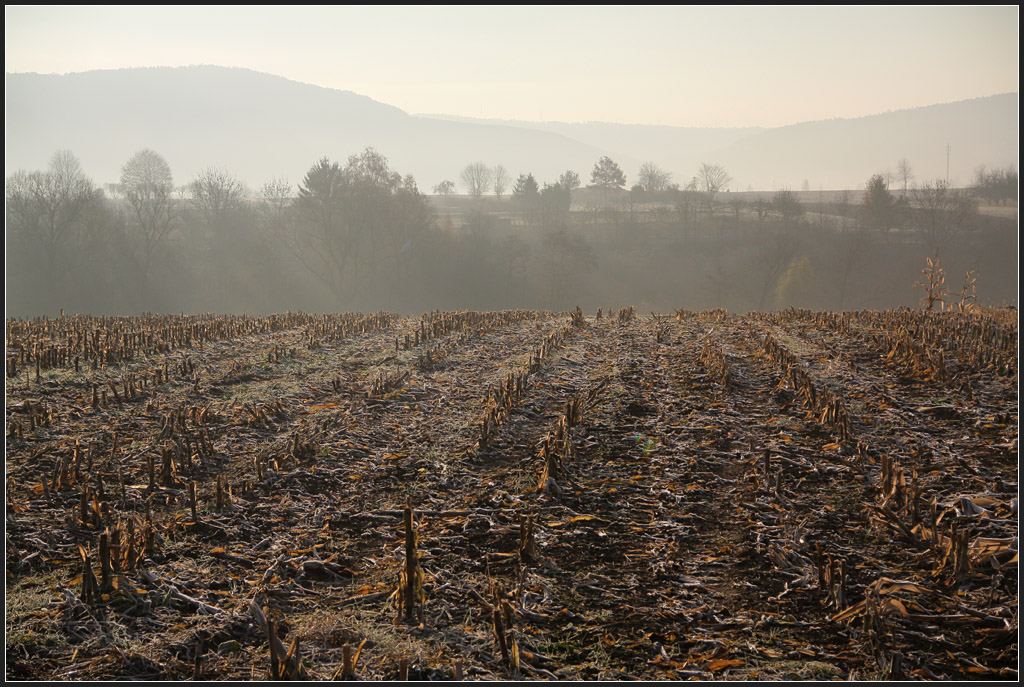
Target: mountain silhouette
{"x": 261, "y": 127}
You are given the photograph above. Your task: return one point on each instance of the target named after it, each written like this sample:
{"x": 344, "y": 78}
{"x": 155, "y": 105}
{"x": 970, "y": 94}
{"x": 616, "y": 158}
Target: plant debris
{"x": 513, "y": 495}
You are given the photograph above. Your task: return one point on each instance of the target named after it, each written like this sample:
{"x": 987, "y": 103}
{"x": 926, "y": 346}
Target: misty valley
{"x": 360, "y": 236}
{"x": 579, "y": 462}
{"x": 512, "y": 343}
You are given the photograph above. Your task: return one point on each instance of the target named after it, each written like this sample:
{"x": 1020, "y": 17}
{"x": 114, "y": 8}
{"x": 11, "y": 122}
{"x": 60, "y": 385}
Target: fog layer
{"x": 360, "y": 236}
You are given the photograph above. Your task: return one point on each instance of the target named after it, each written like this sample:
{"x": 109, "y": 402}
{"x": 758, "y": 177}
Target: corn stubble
{"x": 847, "y": 475}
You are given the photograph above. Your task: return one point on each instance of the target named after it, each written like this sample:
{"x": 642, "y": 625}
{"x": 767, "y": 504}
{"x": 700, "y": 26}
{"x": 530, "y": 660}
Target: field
{"x": 791, "y": 495}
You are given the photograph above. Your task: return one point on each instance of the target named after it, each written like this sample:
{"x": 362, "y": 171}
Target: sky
{"x": 684, "y": 66}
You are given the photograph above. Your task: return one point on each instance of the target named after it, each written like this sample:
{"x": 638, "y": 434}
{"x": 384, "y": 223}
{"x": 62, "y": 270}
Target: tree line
{"x": 359, "y": 235}
{"x": 478, "y": 179}
{"x": 352, "y": 235}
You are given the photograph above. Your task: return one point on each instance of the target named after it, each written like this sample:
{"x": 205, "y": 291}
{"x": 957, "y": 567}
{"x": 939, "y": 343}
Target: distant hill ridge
{"x": 260, "y": 127}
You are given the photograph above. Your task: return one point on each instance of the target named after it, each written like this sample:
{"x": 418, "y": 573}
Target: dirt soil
{"x": 704, "y": 495}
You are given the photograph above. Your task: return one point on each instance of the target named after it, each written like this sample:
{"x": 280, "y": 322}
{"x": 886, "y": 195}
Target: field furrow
{"x": 516, "y": 494}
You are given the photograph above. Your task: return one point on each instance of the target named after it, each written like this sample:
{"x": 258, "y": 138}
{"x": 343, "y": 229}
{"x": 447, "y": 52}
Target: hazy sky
{"x": 687, "y": 66}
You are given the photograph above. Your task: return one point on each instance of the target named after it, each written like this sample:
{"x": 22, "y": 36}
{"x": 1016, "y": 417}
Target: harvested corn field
{"x": 793, "y": 495}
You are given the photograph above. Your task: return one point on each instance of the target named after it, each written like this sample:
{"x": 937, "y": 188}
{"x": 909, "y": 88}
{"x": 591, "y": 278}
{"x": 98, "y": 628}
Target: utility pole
{"x": 947, "y": 164}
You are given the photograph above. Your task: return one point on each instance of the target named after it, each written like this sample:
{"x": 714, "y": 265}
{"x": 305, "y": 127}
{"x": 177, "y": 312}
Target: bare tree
{"x": 51, "y": 212}
{"x": 276, "y": 194}
{"x": 710, "y": 180}
{"x": 214, "y": 193}
{"x": 787, "y": 204}
{"x": 942, "y": 214}
{"x": 476, "y": 179}
{"x": 502, "y": 179}
{"x": 149, "y": 190}
{"x": 653, "y": 178}
{"x": 905, "y": 173}
{"x": 997, "y": 186}
{"x": 890, "y": 177}
{"x": 445, "y": 188}
{"x": 277, "y": 215}
{"x": 49, "y": 207}
{"x": 687, "y": 204}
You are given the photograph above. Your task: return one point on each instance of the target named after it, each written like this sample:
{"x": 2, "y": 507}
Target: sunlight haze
{"x": 682, "y": 66}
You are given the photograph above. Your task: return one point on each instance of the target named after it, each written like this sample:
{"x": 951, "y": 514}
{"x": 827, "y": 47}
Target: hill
{"x": 261, "y": 127}
{"x": 830, "y": 154}
{"x": 257, "y": 125}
